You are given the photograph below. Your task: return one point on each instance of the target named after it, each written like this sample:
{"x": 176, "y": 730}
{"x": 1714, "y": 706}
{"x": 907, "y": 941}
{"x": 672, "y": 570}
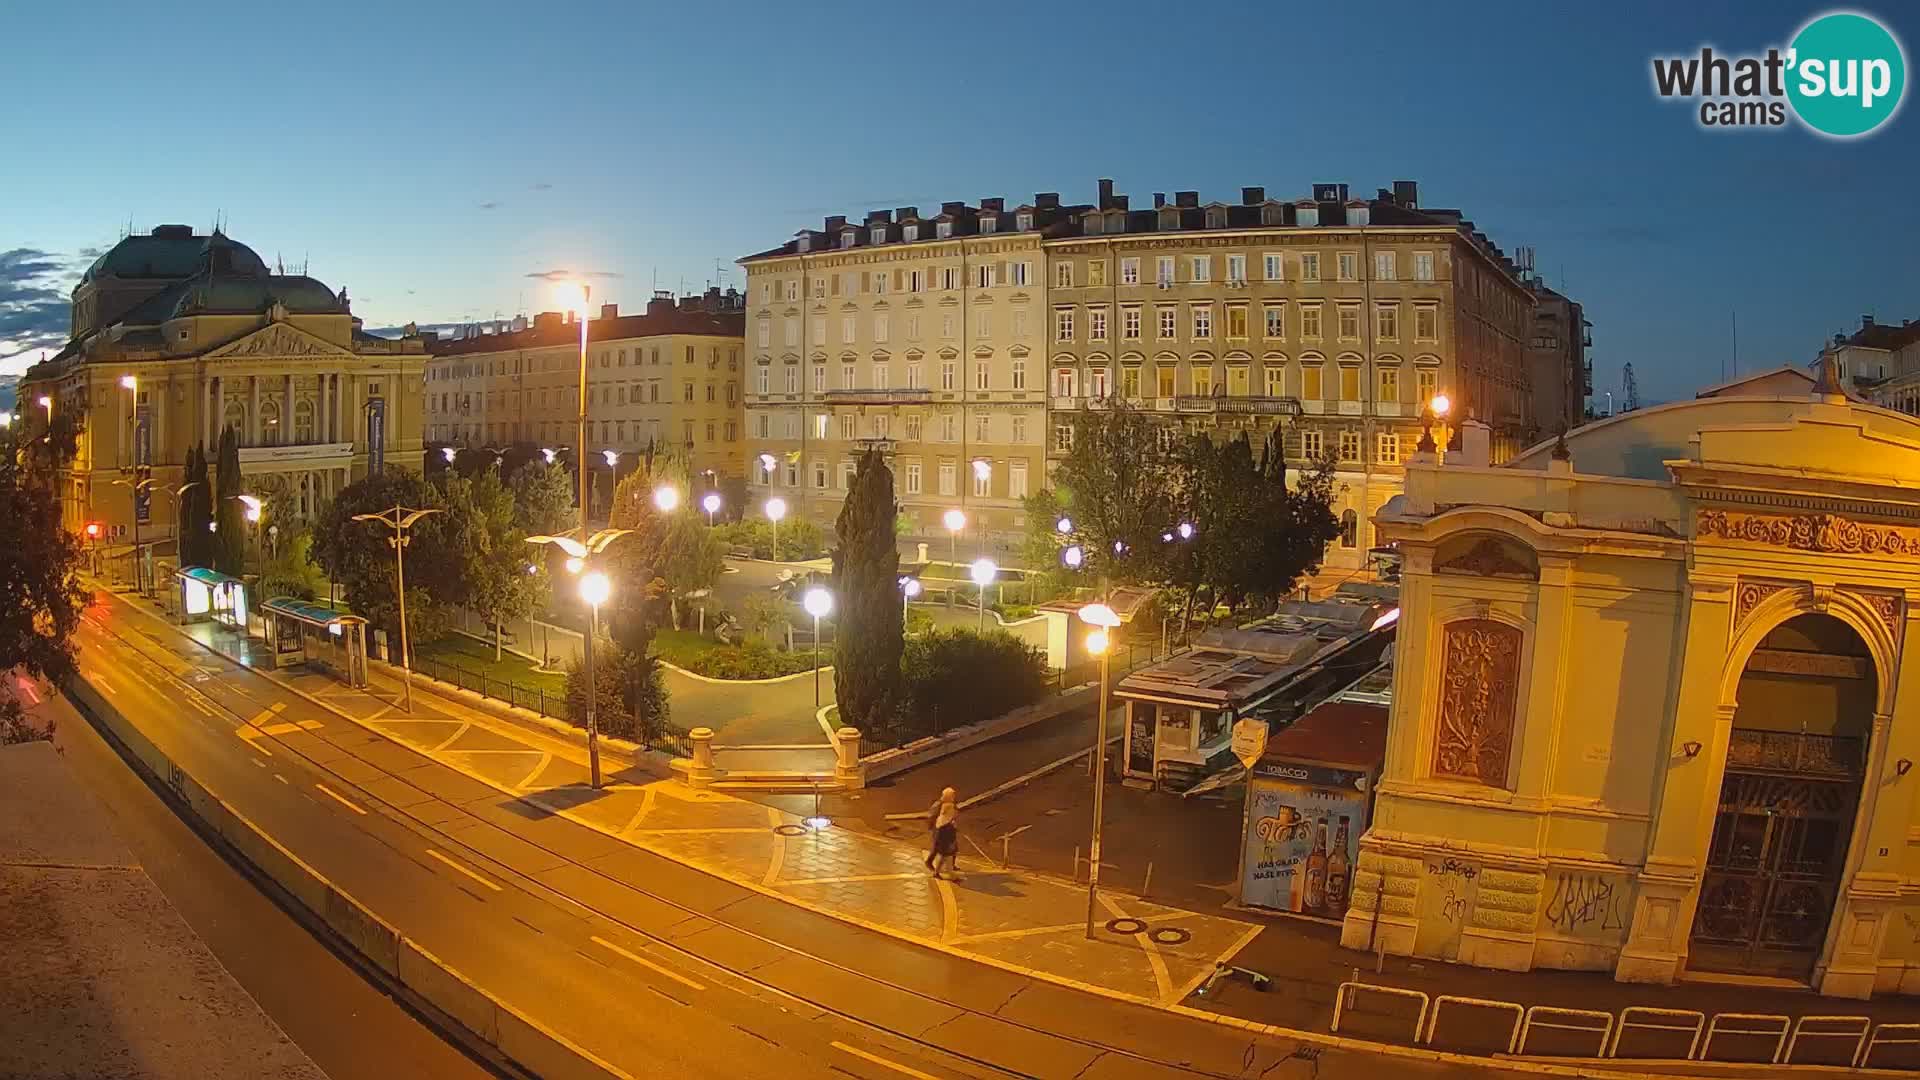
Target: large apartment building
{"x": 1557, "y": 353}
{"x": 967, "y": 341}
{"x": 669, "y": 378}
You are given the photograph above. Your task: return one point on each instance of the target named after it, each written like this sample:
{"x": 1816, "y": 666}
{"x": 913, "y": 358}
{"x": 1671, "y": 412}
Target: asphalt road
{"x": 649, "y": 964}
{"x": 349, "y": 1027}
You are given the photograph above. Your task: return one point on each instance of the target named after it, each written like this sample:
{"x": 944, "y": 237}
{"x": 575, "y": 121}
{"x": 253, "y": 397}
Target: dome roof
{"x": 173, "y": 251}
{"x": 235, "y": 295}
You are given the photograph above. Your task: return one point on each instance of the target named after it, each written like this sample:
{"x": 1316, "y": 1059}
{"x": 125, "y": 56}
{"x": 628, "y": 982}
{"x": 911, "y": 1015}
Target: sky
{"x": 433, "y": 156}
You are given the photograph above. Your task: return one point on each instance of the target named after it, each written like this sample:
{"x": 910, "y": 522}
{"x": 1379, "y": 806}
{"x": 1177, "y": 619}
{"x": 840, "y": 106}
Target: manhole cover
{"x": 1125, "y": 926}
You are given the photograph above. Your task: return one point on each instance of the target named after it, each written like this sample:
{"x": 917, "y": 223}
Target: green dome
{"x": 173, "y": 251}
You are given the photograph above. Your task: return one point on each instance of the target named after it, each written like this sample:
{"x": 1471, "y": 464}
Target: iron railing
{"x": 538, "y": 699}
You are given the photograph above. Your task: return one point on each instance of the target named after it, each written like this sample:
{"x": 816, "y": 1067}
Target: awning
{"x": 312, "y": 614}
{"x": 206, "y": 576}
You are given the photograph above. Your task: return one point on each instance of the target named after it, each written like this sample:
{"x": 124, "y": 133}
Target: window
{"x": 916, "y": 279}
{"x": 943, "y": 230}
{"x": 1063, "y": 275}
{"x": 1019, "y": 428}
{"x": 1164, "y": 272}
{"x": 1203, "y": 322}
{"x": 882, "y": 375}
{"x": 1383, "y": 268}
{"x": 1310, "y": 387}
{"x": 1203, "y": 380}
{"x": 1387, "y": 448}
{"x": 1309, "y": 266}
{"x": 1348, "y": 267}
{"x": 1023, "y": 221}
{"x": 1311, "y": 446}
{"x": 761, "y": 379}
{"x": 989, "y": 224}
{"x": 761, "y": 425}
{"x": 1167, "y": 437}
{"x": 1130, "y": 381}
{"x": 1064, "y": 382}
{"x": 1130, "y": 324}
{"x": 949, "y": 427}
{"x": 1063, "y": 324}
{"x": 793, "y": 291}
{"x": 947, "y": 486}
{"x": 1163, "y": 380}
{"x": 913, "y": 477}
{"x": 983, "y": 276}
{"x": 982, "y": 428}
{"x": 1349, "y": 315}
{"x": 1426, "y": 323}
{"x": 1237, "y": 269}
{"x": 819, "y": 378}
{"x": 1200, "y": 268}
{"x": 1423, "y": 266}
{"x": 949, "y": 277}
{"x": 1130, "y": 271}
{"x": 1019, "y": 324}
{"x": 764, "y": 333}
{"x": 848, "y": 381}
{"x": 1237, "y": 322}
{"x": 1019, "y": 373}
{"x": 1274, "y": 381}
{"x": 1349, "y": 529}
{"x": 1063, "y": 438}
{"x": 983, "y": 325}
{"x": 1390, "y": 384}
{"x": 846, "y": 330}
{"x": 913, "y": 376}
{"x": 1096, "y": 324}
{"x": 946, "y": 375}
{"x": 1349, "y": 382}
{"x": 1276, "y": 321}
{"x": 821, "y": 421}
{"x": 1310, "y": 322}
{"x": 1386, "y": 322}
{"x": 946, "y": 327}
{"x": 1427, "y": 381}
{"x": 1019, "y": 272}
{"x": 820, "y": 474}
{"x": 1168, "y": 319}
{"x": 882, "y": 425}
{"x": 880, "y": 325}
{"x": 1096, "y": 272}
{"x": 1274, "y": 265}
{"x": 1017, "y": 480}
{"x": 790, "y": 331}
{"x": 709, "y": 431}
{"x": 913, "y": 427}
{"x": 982, "y": 482}
{"x": 982, "y": 375}
{"x": 846, "y": 425}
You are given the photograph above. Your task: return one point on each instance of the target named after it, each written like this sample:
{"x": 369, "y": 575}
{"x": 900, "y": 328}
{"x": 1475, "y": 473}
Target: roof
{"x": 172, "y": 251}
{"x": 1763, "y": 382}
{"x": 1883, "y": 336}
{"x": 732, "y": 324}
{"x": 1343, "y": 734}
{"x": 207, "y": 576}
{"x": 310, "y": 613}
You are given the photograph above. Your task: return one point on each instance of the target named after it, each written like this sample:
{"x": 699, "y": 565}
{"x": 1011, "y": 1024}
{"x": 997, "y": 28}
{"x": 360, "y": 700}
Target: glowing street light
{"x": 594, "y": 589}
{"x": 46, "y": 402}
{"x": 1441, "y": 406}
{"x": 982, "y": 469}
{"x": 1063, "y": 526}
{"x": 711, "y": 504}
{"x": 548, "y": 453}
{"x": 767, "y": 463}
{"x": 818, "y": 602}
{"x": 776, "y": 509}
{"x": 1103, "y": 619}
{"x": 1185, "y": 530}
{"x": 983, "y": 571}
{"x": 1074, "y": 557}
{"x": 592, "y": 584}
{"x": 666, "y": 498}
{"x": 612, "y": 456}
{"x": 448, "y": 453}
{"x": 909, "y": 588}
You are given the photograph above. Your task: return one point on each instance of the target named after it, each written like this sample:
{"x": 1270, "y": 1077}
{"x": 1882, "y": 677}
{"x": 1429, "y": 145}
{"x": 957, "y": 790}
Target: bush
{"x": 799, "y": 538}
{"x": 754, "y": 660}
{"x": 957, "y": 677}
{"x": 630, "y": 702}
{"x": 1013, "y": 612}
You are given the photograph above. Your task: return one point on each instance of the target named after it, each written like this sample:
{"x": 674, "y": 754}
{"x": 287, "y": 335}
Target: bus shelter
{"x": 298, "y": 632}
{"x": 210, "y": 594}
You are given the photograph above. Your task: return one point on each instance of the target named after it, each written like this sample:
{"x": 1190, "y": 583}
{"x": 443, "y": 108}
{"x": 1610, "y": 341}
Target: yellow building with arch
{"x": 1648, "y": 697}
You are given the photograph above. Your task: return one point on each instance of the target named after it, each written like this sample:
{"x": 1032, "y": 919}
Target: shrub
{"x": 799, "y": 538}
{"x": 630, "y": 701}
{"x": 957, "y": 677}
{"x": 753, "y": 660}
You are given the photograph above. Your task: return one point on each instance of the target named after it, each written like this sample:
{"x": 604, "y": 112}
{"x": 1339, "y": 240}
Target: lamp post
{"x": 1441, "y": 406}
{"x": 1103, "y": 619}
{"x": 982, "y": 572}
{"x": 818, "y": 602}
{"x": 131, "y": 385}
{"x": 613, "y": 484}
{"x": 909, "y": 588}
{"x": 955, "y": 520}
{"x": 134, "y": 487}
{"x": 399, "y": 519}
{"x": 711, "y": 504}
{"x": 666, "y": 499}
{"x": 776, "y": 509}
{"x": 577, "y": 554}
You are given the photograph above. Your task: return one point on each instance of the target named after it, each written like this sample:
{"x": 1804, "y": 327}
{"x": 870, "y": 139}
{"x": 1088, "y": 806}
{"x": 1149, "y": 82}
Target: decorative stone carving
{"x": 1487, "y": 558}
{"x": 1885, "y": 605}
{"x": 1749, "y": 595}
{"x": 277, "y": 339}
{"x": 1479, "y": 682}
{"x": 1808, "y": 532}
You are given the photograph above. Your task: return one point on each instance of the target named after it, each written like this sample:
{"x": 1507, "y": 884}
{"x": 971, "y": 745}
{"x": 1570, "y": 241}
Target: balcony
{"x": 1237, "y": 405}
{"x": 902, "y": 396}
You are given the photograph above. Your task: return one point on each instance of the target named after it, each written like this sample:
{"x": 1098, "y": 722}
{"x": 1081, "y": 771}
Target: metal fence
{"x": 539, "y": 699}
{"x": 1125, "y": 657}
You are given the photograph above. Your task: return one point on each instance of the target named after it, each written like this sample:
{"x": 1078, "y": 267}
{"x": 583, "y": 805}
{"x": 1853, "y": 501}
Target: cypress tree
{"x": 870, "y": 632}
{"x": 196, "y": 510}
{"x": 230, "y": 538}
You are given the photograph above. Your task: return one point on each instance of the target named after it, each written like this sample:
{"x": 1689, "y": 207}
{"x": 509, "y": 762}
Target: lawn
{"x": 476, "y": 658}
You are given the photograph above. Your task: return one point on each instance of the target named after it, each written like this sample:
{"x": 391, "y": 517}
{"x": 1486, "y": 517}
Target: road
{"x": 347, "y": 1025}
{"x": 649, "y": 964}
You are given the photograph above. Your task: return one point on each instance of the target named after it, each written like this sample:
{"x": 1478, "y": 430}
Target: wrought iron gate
{"x": 1779, "y": 845}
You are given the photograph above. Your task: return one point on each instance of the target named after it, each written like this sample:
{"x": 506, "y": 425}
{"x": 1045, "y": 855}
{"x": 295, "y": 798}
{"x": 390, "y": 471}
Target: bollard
{"x": 847, "y": 767}
{"x": 701, "y": 773}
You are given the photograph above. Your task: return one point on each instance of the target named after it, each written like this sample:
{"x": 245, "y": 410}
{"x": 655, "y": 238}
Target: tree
{"x": 229, "y": 548}
{"x": 196, "y": 511}
{"x": 956, "y": 676}
{"x": 290, "y": 572}
{"x": 630, "y": 701}
{"x": 40, "y": 593}
{"x": 672, "y": 554}
{"x": 543, "y": 499}
{"x": 866, "y": 574}
{"x": 492, "y": 560}
{"x": 1114, "y": 485}
{"x": 356, "y": 553}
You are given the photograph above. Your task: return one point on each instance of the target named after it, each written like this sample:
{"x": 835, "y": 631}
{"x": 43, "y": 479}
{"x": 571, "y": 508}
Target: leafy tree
{"x": 196, "y": 511}
{"x": 866, "y": 574}
{"x": 290, "y": 571}
{"x": 1114, "y": 485}
{"x": 543, "y": 497}
{"x": 45, "y": 454}
{"x": 229, "y": 548}
{"x": 40, "y": 593}
{"x": 956, "y": 677}
{"x": 799, "y": 539}
{"x": 356, "y": 553}
{"x": 672, "y": 554}
{"x": 490, "y": 552}
{"x": 630, "y": 701}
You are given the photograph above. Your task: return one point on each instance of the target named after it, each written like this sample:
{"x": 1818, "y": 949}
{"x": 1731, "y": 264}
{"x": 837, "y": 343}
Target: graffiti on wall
{"x": 1448, "y": 888}
{"x": 1588, "y": 905}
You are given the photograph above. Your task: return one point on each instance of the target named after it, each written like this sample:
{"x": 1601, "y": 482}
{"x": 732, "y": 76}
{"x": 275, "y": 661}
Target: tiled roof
{"x": 620, "y": 327}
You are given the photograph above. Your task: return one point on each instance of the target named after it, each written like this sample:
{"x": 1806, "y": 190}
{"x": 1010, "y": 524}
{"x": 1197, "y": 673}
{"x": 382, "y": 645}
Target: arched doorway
{"x": 1788, "y": 801}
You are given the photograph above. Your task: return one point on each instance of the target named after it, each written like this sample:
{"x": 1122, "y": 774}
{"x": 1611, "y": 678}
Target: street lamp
{"x": 818, "y": 602}
{"x": 1103, "y": 619}
{"x": 711, "y": 504}
{"x": 1073, "y": 557}
{"x": 130, "y": 385}
{"x": 548, "y": 453}
{"x": 666, "y": 498}
{"x": 1063, "y": 526}
{"x": 135, "y": 487}
{"x": 448, "y": 452}
{"x": 577, "y": 554}
{"x": 776, "y": 509}
{"x": 767, "y": 463}
{"x": 956, "y": 521}
{"x": 46, "y": 402}
{"x": 982, "y": 572}
{"x": 399, "y": 519}
{"x": 909, "y": 588}
{"x": 1185, "y": 530}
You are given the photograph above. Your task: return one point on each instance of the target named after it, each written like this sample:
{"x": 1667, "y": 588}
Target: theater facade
{"x": 1653, "y": 713}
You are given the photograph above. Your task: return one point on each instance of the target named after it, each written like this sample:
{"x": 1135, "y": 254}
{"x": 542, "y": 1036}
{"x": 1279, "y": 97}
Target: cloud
{"x": 489, "y": 206}
{"x": 571, "y": 275}
{"x": 34, "y": 308}
{"x": 543, "y": 186}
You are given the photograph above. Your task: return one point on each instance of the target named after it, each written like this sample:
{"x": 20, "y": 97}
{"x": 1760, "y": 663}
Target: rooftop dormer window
{"x": 847, "y": 238}
{"x": 1093, "y": 224}
{"x": 878, "y": 235}
{"x": 805, "y": 242}
{"x": 1023, "y": 222}
{"x": 1216, "y": 217}
{"x": 989, "y": 223}
{"x": 1270, "y": 215}
{"x": 943, "y": 230}
{"x": 913, "y": 232}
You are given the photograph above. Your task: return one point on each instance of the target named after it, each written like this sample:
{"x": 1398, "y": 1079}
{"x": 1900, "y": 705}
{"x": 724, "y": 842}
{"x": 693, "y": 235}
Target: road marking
{"x": 779, "y": 854}
{"x": 337, "y": 797}
{"x": 646, "y": 807}
{"x": 451, "y": 739}
{"x": 907, "y": 876}
{"x": 1161, "y": 977}
{"x": 646, "y": 963}
{"x": 545, "y": 760}
{"x": 882, "y": 1062}
{"x": 258, "y": 762}
{"x": 949, "y": 909}
{"x": 464, "y": 870}
{"x": 290, "y": 727}
{"x": 283, "y": 779}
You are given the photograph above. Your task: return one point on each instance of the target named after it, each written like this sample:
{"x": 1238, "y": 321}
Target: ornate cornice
{"x": 1826, "y": 533}
{"x": 1750, "y": 595}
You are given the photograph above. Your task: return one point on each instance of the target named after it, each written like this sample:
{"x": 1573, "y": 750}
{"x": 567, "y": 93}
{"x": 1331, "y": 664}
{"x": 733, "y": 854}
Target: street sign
{"x": 1249, "y": 740}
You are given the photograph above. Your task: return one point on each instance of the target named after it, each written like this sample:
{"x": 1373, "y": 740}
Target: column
{"x": 329, "y": 385}
{"x": 209, "y": 407}
{"x": 286, "y": 410}
{"x": 252, "y": 434}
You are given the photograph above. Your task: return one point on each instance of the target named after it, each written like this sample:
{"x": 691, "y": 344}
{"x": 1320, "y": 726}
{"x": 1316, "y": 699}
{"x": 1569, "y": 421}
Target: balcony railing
{"x": 902, "y": 396}
{"x": 1237, "y": 404}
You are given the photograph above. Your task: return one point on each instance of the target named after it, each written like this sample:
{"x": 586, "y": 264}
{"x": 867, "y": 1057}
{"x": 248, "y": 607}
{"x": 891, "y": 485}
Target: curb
{"x": 519, "y": 1038}
{"x": 678, "y": 670}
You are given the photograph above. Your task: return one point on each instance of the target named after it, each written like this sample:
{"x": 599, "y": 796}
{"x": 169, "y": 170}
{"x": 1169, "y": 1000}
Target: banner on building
{"x": 376, "y": 434}
{"x": 142, "y": 467}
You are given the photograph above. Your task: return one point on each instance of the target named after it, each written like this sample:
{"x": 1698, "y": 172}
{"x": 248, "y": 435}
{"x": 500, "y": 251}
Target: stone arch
{"x": 1793, "y": 601}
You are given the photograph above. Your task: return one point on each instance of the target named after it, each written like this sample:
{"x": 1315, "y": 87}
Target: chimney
{"x": 1866, "y": 322}
{"x": 1119, "y": 202}
{"x": 995, "y": 204}
{"x": 1252, "y": 196}
{"x": 906, "y": 213}
{"x": 1186, "y": 199}
{"x": 1106, "y": 194}
{"x": 1159, "y": 199}
{"x": 1407, "y": 193}
{"x": 952, "y": 207}
{"x": 1047, "y": 200}
{"x": 836, "y": 223}
{"x": 878, "y": 217}
{"x": 609, "y": 311}
{"x": 661, "y": 303}
{"x": 546, "y": 319}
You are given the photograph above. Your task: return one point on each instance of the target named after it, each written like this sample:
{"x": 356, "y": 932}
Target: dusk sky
{"x": 430, "y": 157}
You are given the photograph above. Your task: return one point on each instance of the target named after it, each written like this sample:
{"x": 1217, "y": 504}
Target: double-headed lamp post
{"x": 593, "y": 584}
{"x": 1103, "y": 619}
{"x": 819, "y": 603}
{"x": 983, "y": 571}
{"x": 399, "y": 519}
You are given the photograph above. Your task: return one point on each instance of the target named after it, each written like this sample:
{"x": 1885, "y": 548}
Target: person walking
{"x": 946, "y": 837}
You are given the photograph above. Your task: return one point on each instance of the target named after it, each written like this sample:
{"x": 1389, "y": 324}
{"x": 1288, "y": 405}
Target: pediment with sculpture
{"x": 276, "y": 340}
